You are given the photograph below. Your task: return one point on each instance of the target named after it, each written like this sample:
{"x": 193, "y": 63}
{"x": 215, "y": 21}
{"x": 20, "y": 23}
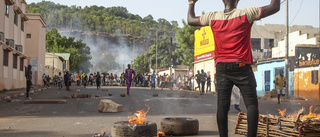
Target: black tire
{"x": 179, "y": 126}
{"x": 121, "y": 129}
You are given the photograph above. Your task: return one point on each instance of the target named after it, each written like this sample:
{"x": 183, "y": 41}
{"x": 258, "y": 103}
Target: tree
{"x": 80, "y": 52}
{"x": 185, "y": 46}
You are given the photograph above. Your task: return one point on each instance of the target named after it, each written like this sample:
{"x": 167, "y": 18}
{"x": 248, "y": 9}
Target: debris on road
{"x": 107, "y": 105}
{"x": 45, "y": 101}
{"x": 155, "y": 95}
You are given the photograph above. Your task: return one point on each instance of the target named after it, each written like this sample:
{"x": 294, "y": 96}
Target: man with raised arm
{"x": 129, "y": 77}
{"x": 233, "y": 57}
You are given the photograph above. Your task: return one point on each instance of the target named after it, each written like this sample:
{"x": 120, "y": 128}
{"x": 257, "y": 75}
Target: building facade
{"x": 302, "y": 78}
{"x": 35, "y": 40}
{"x": 22, "y": 42}
{"x": 306, "y": 72}
{"x": 12, "y": 44}
{"x": 55, "y": 63}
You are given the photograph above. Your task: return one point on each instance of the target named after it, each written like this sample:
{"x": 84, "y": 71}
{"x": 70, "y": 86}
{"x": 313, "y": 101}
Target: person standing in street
{"x": 153, "y": 80}
{"x": 29, "y": 80}
{"x": 198, "y": 79}
{"x": 280, "y": 82}
{"x": 203, "y": 79}
{"x": 233, "y": 56}
{"x": 98, "y": 80}
{"x": 67, "y": 80}
{"x": 208, "y": 84}
{"x": 60, "y": 81}
{"x": 44, "y": 79}
{"x": 78, "y": 79}
{"x": 129, "y": 77}
{"x": 235, "y": 98}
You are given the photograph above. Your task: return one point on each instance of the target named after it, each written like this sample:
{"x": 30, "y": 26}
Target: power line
{"x": 297, "y": 12}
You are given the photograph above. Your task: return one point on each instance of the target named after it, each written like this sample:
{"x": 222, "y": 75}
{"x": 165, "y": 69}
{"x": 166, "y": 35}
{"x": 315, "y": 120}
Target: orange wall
{"x": 303, "y": 86}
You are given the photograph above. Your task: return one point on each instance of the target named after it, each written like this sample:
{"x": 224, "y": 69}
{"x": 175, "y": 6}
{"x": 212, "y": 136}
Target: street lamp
{"x": 156, "y": 52}
{"x": 157, "y": 58}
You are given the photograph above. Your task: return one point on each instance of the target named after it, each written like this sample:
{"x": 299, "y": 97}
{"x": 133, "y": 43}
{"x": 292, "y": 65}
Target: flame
{"x": 139, "y": 117}
{"x": 103, "y": 131}
{"x": 160, "y": 134}
{"x": 282, "y": 112}
{"x": 312, "y": 114}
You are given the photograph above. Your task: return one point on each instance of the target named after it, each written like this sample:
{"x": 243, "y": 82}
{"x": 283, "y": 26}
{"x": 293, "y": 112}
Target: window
{"x": 22, "y": 25}
{"x": 6, "y": 12}
{"x": 16, "y": 19}
{"x": 15, "y": 61}
{"x": 29, "y": 36}
{"x": 256, "y": 44}
{"x": 268, "y": 43}
{"x": 314, "y": 74}
{"x": 21, "y": 64}
{"x": 6, "y": 58}
{"x": 267, "y": 80}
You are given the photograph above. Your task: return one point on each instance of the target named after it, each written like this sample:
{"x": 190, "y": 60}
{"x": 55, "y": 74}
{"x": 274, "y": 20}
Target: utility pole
{"x": 287, "y": 49}
{"x": 170, "y": 52}
{"x": 53, "y": 65}
{"x": 157, "y": 58}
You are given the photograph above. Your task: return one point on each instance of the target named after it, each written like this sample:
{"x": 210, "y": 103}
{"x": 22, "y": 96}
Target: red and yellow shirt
{"x": 232, "y": 33}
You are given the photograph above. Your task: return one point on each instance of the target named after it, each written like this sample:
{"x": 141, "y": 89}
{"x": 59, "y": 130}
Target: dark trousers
{"x": 208, "y": 87}
{"x": 202, "y": 87}
{"x": 28, "y": 88}
{"x": 78, "y": 82}
{"x": 227, "y": 75}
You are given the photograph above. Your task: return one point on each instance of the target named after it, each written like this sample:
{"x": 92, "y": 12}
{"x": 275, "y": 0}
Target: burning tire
{"x": 123, "y": 129}
{"x": 179, "y": 126}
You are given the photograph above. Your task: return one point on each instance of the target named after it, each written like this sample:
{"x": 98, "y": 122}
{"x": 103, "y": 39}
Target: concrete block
{"x": 109, "y": 106}
{"x": 155, "y": 95}
{"x": 45, "y": 101}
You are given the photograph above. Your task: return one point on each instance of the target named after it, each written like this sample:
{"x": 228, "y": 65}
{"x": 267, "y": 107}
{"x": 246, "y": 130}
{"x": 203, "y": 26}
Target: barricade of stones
{"x": 76, "y": 95}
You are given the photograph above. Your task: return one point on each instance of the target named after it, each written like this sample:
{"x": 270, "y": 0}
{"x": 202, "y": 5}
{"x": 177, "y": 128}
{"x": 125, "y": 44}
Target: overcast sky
{"x": 301, "y": 12}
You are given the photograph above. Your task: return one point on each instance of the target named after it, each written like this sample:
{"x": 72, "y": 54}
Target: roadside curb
{"x": 21, "y": 92}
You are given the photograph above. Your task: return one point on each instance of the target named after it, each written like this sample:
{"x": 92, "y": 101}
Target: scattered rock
{"x": 7, "y": 98}
{"x": 182, "y": 95}
{"x": 65, "y": 97}
{"x": 123, "y": 94}
{"x": 107, "y": 105}
{"x": 97, "y": 95}
{"x": 78, "y": 90}
{"x": 32, "y": 92}
{"x": 196, "y": 96}
{"x": 21, "y": 94}
{"x": 75, "y": 95}
{"x": 45, "y": 101}
{"x": 170, "y": 95}
{"x": 155, "y": 95}
{"x": 39, "y": 90}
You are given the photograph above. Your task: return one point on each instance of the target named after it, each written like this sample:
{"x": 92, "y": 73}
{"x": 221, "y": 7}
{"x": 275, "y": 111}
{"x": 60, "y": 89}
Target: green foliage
{"x": 80, "y": 52}
{"x": 160, "y": 51}
{"x": 185, "y": 46}
{"x": 113, "y": 21}
{"x": 100, "y": 19}
{"x": 141, "y": 64}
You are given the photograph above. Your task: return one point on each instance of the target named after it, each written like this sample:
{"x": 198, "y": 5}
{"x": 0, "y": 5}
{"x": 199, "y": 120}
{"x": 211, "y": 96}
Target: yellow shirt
{"x": 279, "y": 81}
